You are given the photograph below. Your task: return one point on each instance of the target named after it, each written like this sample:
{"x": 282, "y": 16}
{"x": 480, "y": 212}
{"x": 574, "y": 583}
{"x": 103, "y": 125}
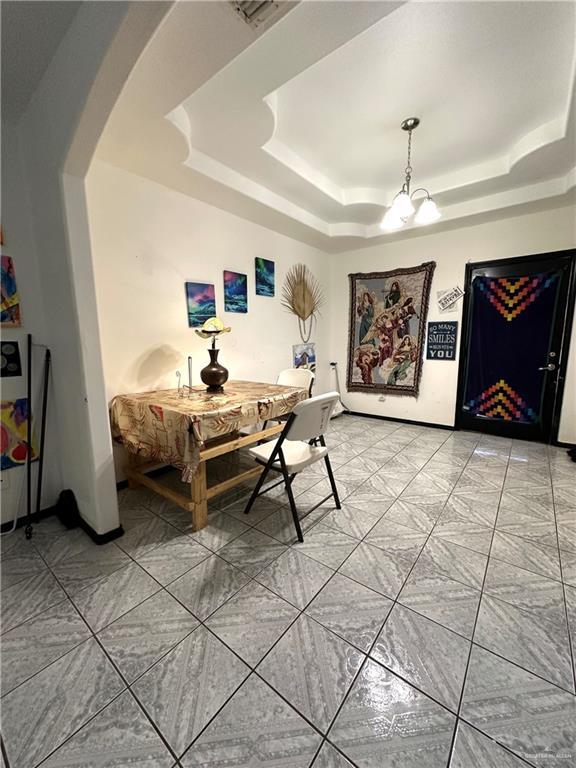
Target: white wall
{"x": 147, "y": 241}
{"x": 19, "y": 244}
{"x": 551, "y": 230}
{"x": 58, "y": 132}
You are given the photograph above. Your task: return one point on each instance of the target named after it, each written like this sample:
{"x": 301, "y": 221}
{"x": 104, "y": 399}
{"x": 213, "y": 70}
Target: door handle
{"x": 549, "y": 367}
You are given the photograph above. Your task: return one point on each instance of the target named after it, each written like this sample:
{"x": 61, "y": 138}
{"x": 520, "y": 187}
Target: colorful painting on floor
{"x": 10, "y": 311}
{"x": 201, "y": 303}
{"x": 264, "y": 277}
{"x": 235, "y": 292}
{"x": 13, "y": 433}
{"x": 304, "y": 356}
{"x": 387, "y": 330}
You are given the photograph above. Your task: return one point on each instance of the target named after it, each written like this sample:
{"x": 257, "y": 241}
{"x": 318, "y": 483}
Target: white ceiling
{"x": 298, "y": 128}
{"x": 31, "y": 33}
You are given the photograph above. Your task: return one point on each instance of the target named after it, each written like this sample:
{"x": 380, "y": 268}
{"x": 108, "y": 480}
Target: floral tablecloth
{"x": 170, "y": 428}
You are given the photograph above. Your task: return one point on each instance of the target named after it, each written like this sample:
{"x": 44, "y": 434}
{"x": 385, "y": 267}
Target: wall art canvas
{"x": 10, "y": 364}
{"x": 304, "y": 356}
{"x": 387, "y": 330}
{"x": 10, "y": 310}
{"x": 264, "y": 277}
{"x": 13, "y": 433}
{"x": 235, "y": 292}
{"x": 201, "y": 303}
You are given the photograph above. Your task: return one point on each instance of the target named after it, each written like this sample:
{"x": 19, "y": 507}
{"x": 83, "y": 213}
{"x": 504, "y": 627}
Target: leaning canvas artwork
{"x": 13, "y": 432}
{"x": 10, "y": 316}
{"x": 201, "y": 303}
{"x": 264, "y": 277}
{"x": 304, "y": 356}
{"x": 387, "y": 329}
{"x": 235, "y": 292}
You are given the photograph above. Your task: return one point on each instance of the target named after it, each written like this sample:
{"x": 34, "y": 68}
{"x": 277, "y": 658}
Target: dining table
{"x": 187, "y": 427}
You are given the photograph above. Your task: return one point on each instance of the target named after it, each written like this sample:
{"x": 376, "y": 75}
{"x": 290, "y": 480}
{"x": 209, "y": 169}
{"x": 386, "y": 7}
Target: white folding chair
{"x": 300, "y": 444}
{"x": 294, "y": 377}
{"x": 297, "y": 377}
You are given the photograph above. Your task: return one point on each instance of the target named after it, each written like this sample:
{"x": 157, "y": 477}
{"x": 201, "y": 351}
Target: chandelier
{"x": 402, "y": 208}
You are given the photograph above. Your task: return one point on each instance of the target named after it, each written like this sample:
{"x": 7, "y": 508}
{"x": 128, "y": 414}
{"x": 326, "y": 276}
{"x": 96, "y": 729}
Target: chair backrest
{"x": 296, "y": 377}
{"x": 312, "y": 417}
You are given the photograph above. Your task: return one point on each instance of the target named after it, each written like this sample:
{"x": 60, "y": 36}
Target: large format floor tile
{"x": 41, "y": 713}
{"x": 472, "y": 748}
{"x": 448, "y": 602}
{"x": 418, "y": 512}
{"x": 31, "y": 646}
{"x": 445, "y": 562}
{"x": 186, "y": 688}
{"x": 119, "y": 736}
{"x": 203, "y": 589}
{"x": 531, "y": 642}
{"x": 115, "y": 595}
{"x": 418, "y": 650}
{"x": 385, "y": 723}
{"x": 351, "y": 610}
{"x": 140, "y": 637}
{"x": 312, "y": 668}
{"x": 169, "y": 561}
{"x": 377, "y": 569}
{"x": 252, "y": 551}
{"x": 252, "y": 621}
{"x": 29, "y": 597}
{"x": 255, "y": 728}
{"x": 295, "y": 577}
{"x": 533, "y": 718}
{"x": 327, "y": 545}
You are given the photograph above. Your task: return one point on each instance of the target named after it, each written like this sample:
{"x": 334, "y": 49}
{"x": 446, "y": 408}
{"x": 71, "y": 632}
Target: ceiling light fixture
{"x": 402, "y": 207}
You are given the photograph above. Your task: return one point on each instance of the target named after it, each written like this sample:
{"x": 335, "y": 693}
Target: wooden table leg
{"x": 134, "y": 462}
{"x": 199, "y": 498}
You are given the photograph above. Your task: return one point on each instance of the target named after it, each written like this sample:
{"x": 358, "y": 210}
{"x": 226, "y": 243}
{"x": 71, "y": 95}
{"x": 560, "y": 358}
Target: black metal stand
{"x": 29, "y": 443}
{"x": 47, "y": 360}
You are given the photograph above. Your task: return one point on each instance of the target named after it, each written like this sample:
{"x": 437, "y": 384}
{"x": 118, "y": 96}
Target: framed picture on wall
{"x": 264, "y": 277}
{"x": 235, "y": 291}
{"x": 201, "y": 303}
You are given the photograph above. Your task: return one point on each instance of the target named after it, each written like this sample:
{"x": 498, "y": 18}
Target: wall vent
{"x": 256, "y": 12}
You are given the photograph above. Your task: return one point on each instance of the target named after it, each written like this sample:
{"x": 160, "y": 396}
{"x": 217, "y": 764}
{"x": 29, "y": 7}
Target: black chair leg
{"x": 256, "y": 490}
{"x": 291, "y": 499}
{"x": 332, "y": 482}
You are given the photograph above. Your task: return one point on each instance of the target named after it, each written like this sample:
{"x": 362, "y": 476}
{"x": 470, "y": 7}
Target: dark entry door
{"x": 515, "y": 345}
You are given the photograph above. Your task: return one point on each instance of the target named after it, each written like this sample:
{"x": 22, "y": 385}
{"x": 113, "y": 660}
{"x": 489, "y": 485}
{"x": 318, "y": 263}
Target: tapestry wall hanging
{"x": 10, "y": 296}
{"x": 387, "y": 330}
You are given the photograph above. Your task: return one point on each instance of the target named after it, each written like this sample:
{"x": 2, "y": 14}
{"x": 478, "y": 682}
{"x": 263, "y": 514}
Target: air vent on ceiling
{"x": 255, "y": 12}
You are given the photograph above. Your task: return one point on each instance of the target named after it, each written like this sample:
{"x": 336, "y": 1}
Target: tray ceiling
{"x": 298, "y": 128}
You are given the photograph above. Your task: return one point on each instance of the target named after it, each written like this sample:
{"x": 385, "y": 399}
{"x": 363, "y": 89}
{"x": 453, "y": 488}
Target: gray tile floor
{"x": 428, "y": 623}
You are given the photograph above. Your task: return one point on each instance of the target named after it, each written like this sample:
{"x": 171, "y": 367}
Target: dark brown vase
{"x": 214, "y": 375}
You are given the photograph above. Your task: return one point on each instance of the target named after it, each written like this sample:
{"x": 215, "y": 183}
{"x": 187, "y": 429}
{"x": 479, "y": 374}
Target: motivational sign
{"x": 441, "y": 344}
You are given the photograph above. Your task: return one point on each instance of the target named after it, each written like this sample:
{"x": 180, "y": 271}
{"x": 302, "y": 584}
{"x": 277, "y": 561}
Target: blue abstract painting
{"x": 264, "y": 277}
{"x": 235, "y": 292}
{"x": 201, "y": 303}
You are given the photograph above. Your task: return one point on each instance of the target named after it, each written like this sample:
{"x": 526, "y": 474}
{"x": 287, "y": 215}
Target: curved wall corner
{"x": 56, "y": 137}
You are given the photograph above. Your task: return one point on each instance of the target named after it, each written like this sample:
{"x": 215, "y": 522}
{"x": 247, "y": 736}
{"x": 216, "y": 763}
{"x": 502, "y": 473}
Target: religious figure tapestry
{"x": 387, "y": 330}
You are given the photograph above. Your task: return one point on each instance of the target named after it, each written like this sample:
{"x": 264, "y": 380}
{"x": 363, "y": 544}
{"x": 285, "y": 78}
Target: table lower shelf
{"x": 197, "y": 502}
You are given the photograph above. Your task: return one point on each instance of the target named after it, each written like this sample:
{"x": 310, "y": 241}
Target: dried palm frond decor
{"x": 302, "y": 295}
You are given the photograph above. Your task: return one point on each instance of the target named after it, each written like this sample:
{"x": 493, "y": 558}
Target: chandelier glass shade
{"x": 402, "y": 208}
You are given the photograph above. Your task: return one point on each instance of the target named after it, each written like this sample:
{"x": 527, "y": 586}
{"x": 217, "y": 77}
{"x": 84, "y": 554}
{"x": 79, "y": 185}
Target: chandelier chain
{"x": 408, "y": 169}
